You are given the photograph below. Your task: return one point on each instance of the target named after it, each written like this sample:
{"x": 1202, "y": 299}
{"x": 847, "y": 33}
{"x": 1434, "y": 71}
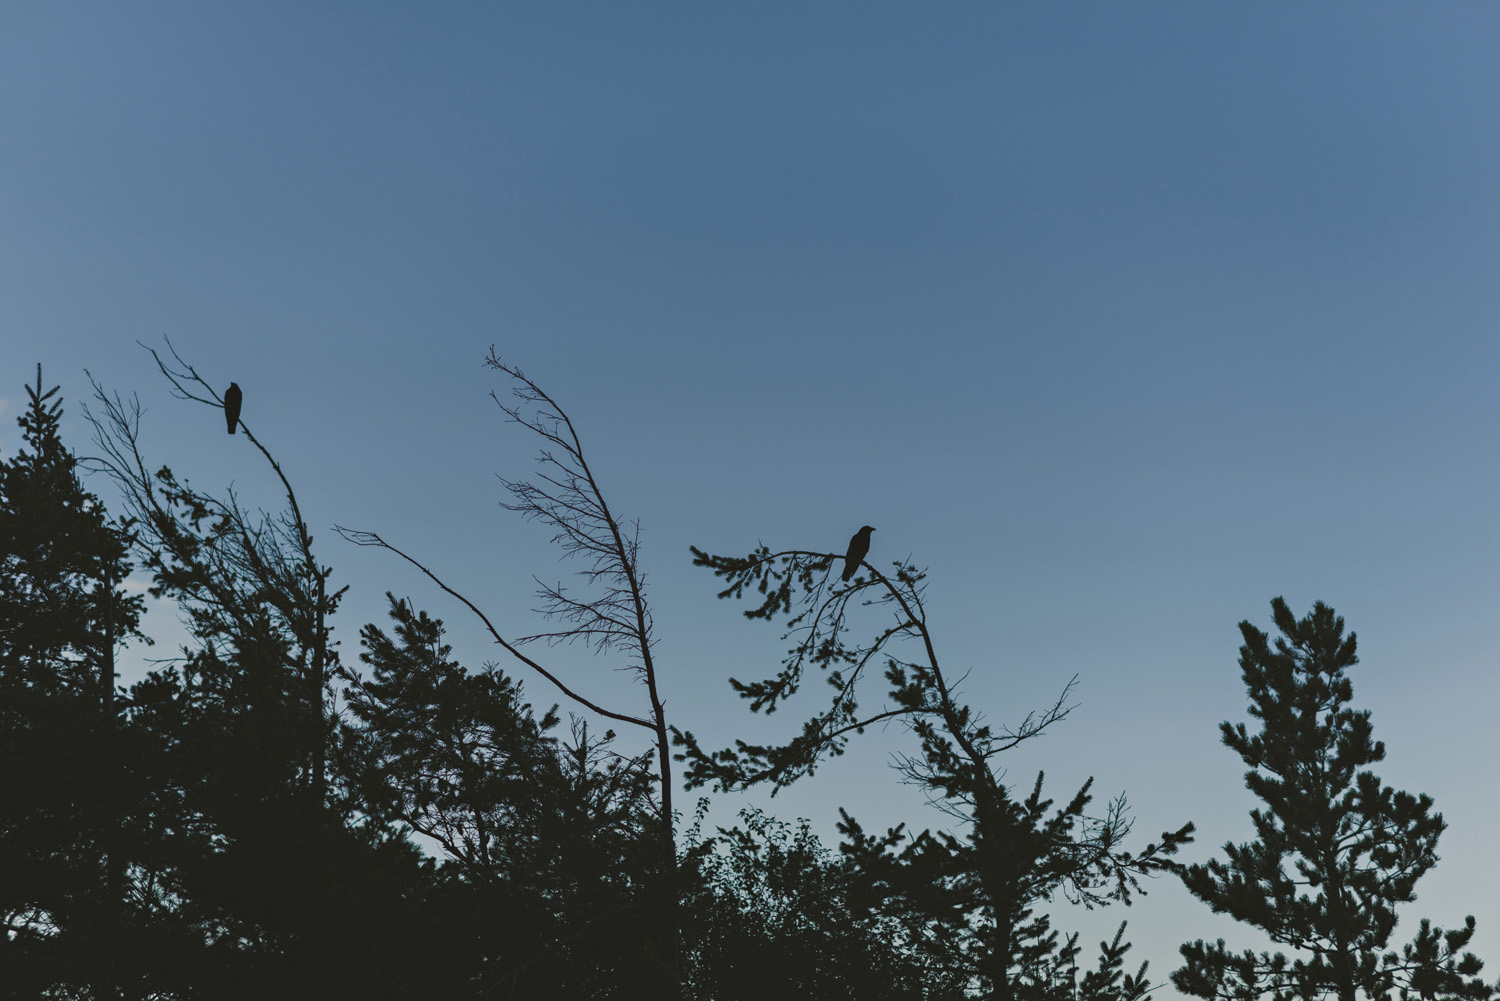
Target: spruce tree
{"x": 57, "y": 551}
{"x": 65, "y": 785}
{"x": 1335, "y": 851}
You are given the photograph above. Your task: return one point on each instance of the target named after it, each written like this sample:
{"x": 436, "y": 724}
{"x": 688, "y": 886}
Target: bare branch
{"x": 180, "y": 379}
{"x": 360, "y": 538}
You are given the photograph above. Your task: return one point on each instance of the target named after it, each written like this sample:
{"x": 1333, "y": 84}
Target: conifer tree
{"x": 1335, "y": 850}
{"x": 57, "y": 550}
{"x": 1018, "y": 852}
{"x": 64, "y": 785}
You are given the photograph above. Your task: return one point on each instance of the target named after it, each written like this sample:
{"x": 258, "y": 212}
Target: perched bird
{"x": 232, "y": 400}
{"x": 858, "y": 547}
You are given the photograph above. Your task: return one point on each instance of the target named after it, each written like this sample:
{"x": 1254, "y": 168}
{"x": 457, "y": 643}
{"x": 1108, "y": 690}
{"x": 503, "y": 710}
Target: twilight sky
{"x": 1123, "y": 319}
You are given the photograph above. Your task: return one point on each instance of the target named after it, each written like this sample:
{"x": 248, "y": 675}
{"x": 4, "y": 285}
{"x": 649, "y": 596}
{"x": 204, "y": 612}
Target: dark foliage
{"x": 61, "y": 564}
{"x": 608, "y": 612}
{"x": 257, "y": 819}
{"x": 553, "y": 840}
{"x": 974, "y": 895}
{"x": 1335, "y": 851}
{"x": 68, "y": 785}
{"x": 776, "y": 915}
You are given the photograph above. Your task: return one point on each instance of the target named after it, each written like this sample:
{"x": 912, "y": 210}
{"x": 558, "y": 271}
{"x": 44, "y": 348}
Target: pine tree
{"x": 57, "y": 551}
{"x": 982, "y": 889}
{"x": 65, "y": 786}
{"x": 1335, "y": 851}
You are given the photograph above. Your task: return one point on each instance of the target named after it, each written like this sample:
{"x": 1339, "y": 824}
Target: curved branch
{"x": 360, "y": 538}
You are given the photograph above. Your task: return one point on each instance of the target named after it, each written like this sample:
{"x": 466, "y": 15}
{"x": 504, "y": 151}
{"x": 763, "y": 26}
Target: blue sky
{"x": 1122, "y": 319}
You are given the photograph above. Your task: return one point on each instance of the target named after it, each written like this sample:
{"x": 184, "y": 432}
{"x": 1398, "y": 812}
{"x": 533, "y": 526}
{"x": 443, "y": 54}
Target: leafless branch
{"x": 360, "y": 538}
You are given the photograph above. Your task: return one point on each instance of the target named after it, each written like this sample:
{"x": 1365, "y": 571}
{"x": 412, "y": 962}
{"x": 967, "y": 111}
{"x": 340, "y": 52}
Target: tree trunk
{"x": 112, "y": 824}
{"x": 999, "y": 889}
{"x": 320, "y": 753}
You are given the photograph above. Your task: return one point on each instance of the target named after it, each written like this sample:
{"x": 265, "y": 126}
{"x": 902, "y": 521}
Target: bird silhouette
{"x": 858, "y": 547}
{"x": 232, "y": 400}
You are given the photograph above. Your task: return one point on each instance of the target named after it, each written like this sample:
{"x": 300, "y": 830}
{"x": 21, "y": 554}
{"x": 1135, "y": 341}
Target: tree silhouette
{"x": 1016, "y": 852}
{"x": 774, "y": 914}
{"x": 611, "y": 615}
{"x": 67, "y": 786}
{"x": 1335, "y": 851}
{"x": 57, "y": 549}
{"x": 241, "y": 558}
{"x": 244, "y": 713}
{"x": 552, "y": 840}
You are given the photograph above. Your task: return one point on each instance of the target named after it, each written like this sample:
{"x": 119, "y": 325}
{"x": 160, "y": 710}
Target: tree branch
{"x": 360, "y": 538}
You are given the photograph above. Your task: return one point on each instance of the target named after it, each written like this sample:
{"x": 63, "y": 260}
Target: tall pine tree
{"x": 1335, "y": 851}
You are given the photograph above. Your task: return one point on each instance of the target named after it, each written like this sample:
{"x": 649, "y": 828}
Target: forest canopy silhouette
{"x": 264, "y": 816}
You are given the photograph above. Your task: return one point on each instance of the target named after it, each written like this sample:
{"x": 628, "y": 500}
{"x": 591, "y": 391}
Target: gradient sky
{"x": 1123, "y": 319}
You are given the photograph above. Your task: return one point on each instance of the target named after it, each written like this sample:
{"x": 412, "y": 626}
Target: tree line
{"x": 258, "y": 817}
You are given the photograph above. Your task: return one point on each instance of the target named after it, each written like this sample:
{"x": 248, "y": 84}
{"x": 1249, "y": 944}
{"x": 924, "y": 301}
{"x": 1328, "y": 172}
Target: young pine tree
{"x": 1335, "y": 851}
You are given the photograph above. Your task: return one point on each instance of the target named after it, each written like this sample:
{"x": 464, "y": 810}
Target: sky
{"x": 1121, "y": 319}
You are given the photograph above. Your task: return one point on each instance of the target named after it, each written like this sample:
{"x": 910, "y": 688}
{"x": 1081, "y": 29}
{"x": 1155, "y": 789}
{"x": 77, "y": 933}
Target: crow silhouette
{"x": 232, "y": 400}
{"x": 858, "y": 547}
